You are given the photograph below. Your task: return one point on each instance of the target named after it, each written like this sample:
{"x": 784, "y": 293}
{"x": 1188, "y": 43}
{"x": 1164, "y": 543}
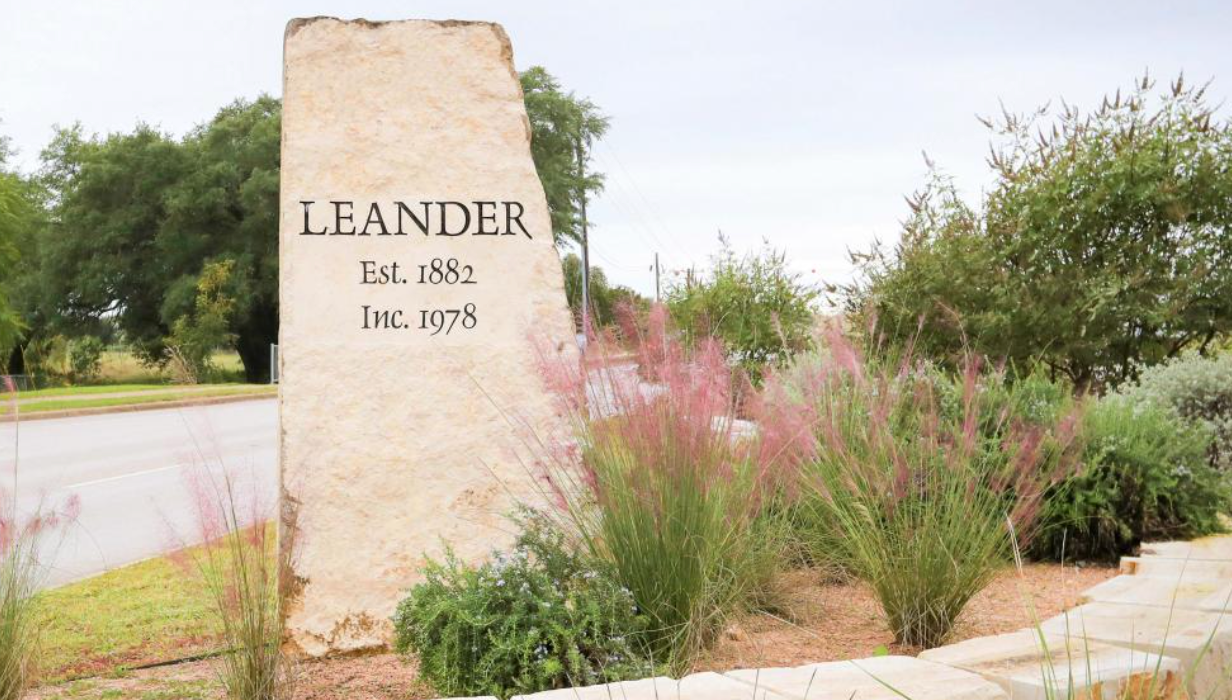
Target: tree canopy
{"x": 138, "y": 216}
{"x": 16, "y": 214}
{"x": 563, "y": 127}
{"x": 1103, "y": 243}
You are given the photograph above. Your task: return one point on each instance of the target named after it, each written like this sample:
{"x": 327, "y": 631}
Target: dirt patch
{"x": 835, "y": 621}
{"x": 826, "y": 621}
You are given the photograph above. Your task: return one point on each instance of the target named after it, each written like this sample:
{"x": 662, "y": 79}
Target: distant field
{"x": 121, "y": 367}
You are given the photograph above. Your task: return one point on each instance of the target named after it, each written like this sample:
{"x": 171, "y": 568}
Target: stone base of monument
{"x": 1200, "y": 641}
{"x": 1031, "y": 666}
{"x": 1181, "y": 591}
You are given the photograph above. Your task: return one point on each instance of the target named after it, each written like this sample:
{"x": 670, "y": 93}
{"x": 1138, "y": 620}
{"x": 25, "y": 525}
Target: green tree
{"x": 605, "y": 299}
{"x": 227, "y": 208}
{"x": 16, "y": 214}
{"x": 137, "y": 217}
{"x": 1103, "y": 243}
{"x": 563, "y": 127}
{"x": 758, "y": 308}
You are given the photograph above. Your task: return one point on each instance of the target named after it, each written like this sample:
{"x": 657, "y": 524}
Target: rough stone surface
{"x": 1200, "y": 641}
{"x": 1181, "y": 591}
{"x": 395, "y": 440}
{"x": 1031, "y": 666}
{"x": 880, "y": 678}
{"x": 1188, "y": 569}
{"x": 1214, "y": 548}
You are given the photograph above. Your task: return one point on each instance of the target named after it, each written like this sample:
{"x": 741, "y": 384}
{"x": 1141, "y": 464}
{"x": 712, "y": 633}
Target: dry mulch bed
{"x": 829, "y": 621}
{"x": 838, "y": 621}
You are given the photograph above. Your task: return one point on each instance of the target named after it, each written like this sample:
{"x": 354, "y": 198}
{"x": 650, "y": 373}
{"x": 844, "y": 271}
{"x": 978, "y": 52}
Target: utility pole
{"x": 581, "y": 164}
{"x": 656, "y": 269}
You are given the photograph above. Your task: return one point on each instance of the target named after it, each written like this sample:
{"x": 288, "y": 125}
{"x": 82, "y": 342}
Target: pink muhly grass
{"x": 21, "y": 571}
{"x": 657, "y": 482}
{"x": 912, "y": 487}
{"x": 239, "y": 562}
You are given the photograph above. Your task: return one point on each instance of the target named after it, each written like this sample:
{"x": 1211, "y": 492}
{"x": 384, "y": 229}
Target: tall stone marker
{"x": 419, "y": 285}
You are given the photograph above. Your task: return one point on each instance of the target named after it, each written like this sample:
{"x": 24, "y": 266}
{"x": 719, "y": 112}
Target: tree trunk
{"x": 253, "y": 343}
{"x": 17, "y": 360}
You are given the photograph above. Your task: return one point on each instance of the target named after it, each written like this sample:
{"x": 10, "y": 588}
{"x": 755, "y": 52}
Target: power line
{"x": 654, "y": 215}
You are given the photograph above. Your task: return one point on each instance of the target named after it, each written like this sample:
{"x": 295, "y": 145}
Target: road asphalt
{"x": 135, "y": 476}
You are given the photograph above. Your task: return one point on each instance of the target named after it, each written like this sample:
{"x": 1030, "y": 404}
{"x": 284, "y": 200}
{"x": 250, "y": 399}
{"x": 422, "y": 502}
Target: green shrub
{"x": 538, "y": 618}
{"x": 1200, "y": 390}
{"x": 1145, "y": 476}
{"x": 85, "y": 356}
{"x": 761, "y": 311}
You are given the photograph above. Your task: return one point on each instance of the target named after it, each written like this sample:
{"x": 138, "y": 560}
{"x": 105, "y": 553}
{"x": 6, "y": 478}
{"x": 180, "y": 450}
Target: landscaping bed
{"x": 821, "y": 621}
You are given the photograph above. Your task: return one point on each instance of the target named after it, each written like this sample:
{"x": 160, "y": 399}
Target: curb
{"x": 130, "y": 408}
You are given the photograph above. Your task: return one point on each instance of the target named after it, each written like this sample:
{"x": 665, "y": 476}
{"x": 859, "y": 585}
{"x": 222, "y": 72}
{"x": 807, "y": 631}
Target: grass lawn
{"x": 144, "y": 613}
{"x": 64, "y": 401}
{"x": 92, "y": 389}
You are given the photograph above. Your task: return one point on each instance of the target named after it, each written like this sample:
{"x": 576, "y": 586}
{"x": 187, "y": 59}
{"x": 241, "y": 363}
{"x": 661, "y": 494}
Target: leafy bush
{"x": 666, "y": 490}
{"x": 197, "y": 334}
{"x": 1145, "y": 476}
{"x": 1200, "y": 390}
{"x": 761, "y": 311}
{"x": 539, "y": 618}
{"x": 911, "y": 497}
{"x": 85, "y": 357}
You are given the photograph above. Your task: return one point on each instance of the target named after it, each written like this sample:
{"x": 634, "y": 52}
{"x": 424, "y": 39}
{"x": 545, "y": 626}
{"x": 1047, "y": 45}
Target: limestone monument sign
{"x": 418, "y": 283}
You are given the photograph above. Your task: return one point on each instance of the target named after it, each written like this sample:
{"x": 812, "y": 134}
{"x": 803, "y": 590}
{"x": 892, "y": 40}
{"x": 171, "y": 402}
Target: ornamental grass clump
{"x": 20, "y": 572}
{"x": 662, "y": 482}
{"x": 238, "y": 563}
{"x": 22, "y": 543}
{"x": 919, "y": 499}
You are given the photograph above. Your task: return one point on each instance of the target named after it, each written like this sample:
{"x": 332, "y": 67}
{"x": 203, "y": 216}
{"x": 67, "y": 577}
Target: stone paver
{"x": 1214, "y": 548}
{"x": 879, "y": 678}
{"x": 1031, "y": 666}
{"x": 1184, "y": 593}
{"x": 1201, "y": 641}
{"x": 699, "y": 686}
{"x": 1188, "y": 569}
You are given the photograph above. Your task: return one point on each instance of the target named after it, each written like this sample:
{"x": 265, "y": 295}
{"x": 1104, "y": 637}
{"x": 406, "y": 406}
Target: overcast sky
{"x": 800, "y": 123}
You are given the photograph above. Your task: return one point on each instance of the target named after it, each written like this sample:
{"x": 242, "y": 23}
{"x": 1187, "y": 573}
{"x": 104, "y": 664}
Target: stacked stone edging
{"x": 1159, "y": 631}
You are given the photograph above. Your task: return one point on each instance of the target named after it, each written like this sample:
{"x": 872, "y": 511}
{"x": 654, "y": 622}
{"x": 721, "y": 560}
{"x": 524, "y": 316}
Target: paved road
{"x": 132, "y": 473}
